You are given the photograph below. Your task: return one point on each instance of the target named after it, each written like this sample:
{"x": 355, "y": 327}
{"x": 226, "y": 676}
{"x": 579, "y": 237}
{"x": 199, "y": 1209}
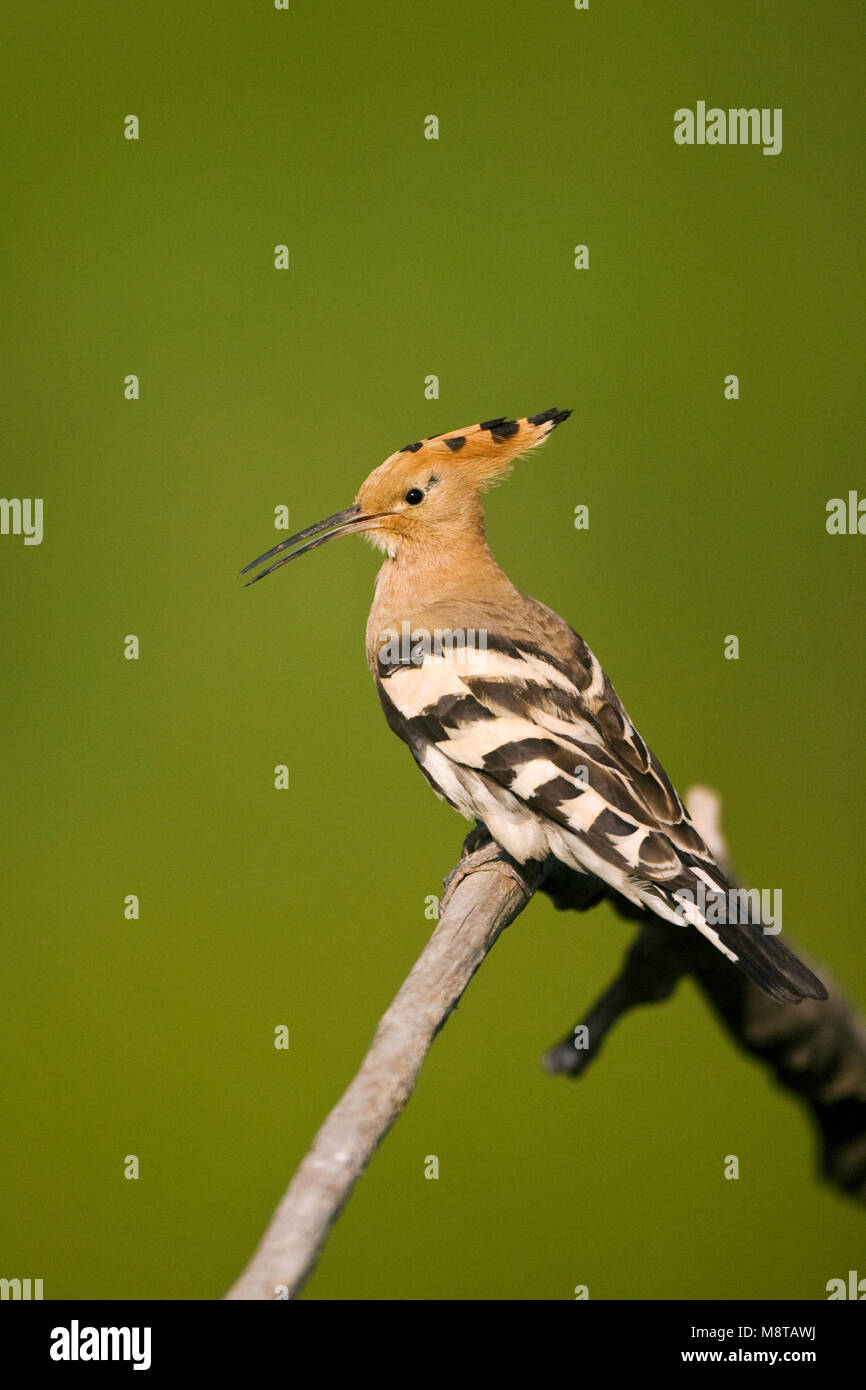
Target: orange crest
{"x": 486, "y": 450}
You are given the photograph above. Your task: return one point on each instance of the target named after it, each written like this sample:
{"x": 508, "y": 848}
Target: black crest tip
{"x": 553, "y": 417}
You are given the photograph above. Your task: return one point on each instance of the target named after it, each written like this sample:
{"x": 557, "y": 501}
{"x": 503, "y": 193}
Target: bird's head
{"x": 427, "y": 493}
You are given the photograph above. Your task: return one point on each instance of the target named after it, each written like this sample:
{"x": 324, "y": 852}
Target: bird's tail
{"x": 766, "y": 961}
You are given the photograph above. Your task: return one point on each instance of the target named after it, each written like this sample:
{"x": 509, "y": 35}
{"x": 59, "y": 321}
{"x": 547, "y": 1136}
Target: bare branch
{"x": 483, "y": 895}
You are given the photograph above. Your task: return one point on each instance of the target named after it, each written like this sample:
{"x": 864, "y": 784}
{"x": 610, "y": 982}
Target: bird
{"x": 520, "y": 728}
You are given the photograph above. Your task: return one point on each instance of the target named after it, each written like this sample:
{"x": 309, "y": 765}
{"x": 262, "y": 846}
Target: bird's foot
{"x": 478, "y": 836}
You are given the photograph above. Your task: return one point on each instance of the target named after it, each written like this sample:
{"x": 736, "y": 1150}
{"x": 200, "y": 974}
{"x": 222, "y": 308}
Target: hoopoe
{"x": 520, "y": 729}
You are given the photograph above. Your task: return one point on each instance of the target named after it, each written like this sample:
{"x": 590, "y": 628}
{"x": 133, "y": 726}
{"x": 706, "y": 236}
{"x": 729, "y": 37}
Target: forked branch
{"x": 816, "y": 1050}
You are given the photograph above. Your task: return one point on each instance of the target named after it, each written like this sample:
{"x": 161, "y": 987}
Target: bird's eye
{"x": 414, "y": 496}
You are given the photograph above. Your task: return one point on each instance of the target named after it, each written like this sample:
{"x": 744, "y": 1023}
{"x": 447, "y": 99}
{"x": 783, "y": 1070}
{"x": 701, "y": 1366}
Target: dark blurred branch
{"x": 816, "y": 1049}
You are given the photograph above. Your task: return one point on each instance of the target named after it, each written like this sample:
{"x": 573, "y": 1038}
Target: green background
{"x": 259, "y": 388}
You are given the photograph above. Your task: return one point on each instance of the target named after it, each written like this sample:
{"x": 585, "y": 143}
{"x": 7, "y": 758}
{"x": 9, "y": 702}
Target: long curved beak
{"x": 345, "y": 523}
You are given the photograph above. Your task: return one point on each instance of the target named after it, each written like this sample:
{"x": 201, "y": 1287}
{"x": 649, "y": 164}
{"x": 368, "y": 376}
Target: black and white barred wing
{"x": 546, "y": 756}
